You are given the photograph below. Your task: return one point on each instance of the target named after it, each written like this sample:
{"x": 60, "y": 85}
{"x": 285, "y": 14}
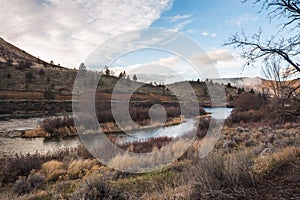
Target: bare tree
{"x": 286, "y": 48}
{"x": 280, "y": 52}
{"x": 277, "y": 83}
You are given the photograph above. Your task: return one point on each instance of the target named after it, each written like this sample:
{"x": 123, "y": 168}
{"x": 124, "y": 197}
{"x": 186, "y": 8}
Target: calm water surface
{"x": 11, "y": 146}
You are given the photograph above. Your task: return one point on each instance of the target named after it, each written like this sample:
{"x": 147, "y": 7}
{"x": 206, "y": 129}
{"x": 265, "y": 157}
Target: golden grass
{"x": 53, "y": 170}
{"x": 79, "y": 168}
{"x": 37, "y": 132}
{"x": 275, "y": 161}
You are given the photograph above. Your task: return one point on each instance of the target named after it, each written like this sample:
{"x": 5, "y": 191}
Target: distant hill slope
{"x": 246, "y": 82}
{"x": 26, "y": 77}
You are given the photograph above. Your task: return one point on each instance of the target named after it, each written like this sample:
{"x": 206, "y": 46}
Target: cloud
{"x": 212, "y": 57}
{"x": 179, "y": 17}
{"x": 191, "y": 31}
{"x": 179, "y": 26}
{"x": 172, "y": 68}
{"x": 67, "y": 31}
{"x": 213, "y": 35}
{"x": 242, "y": 20}
{"x": 205, "y": 34}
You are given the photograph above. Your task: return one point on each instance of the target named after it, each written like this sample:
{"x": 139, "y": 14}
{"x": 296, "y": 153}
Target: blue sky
{"x": 68, "y": 31}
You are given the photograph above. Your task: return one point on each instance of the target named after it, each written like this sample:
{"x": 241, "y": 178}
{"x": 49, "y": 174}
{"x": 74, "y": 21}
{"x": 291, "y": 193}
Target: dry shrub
{"x": 249, "y": 101}
{"x": 78, "y": 168}
{"x": 183, "y": 192}
{"x": 36, "y": 180}
{"x": 275, "y": 161}
{"x": 150, "y": 161}
{"x": 52, "y": 125}
{"x": 53, "y": 170}
{"x": 245, "y": 117}
{"x": 99, "y": 188}
{"x": 22, "y": 186}
{"x": 217, "y": 172}
{"x": 20, "y": 165}
{"x": 146, "y": 146}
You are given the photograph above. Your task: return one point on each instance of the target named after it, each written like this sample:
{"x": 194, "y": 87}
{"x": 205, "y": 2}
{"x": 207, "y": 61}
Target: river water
{"x": 11, "y": 146}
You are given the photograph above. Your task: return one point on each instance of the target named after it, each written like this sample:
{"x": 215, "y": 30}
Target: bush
{"x": 24, "y": 64}
{"x": 248, "y": 101}
{"x": 51, "y": 125}
{"x": 36, "y": 180}
{"x": 20, "y": 165}
{"x": 217, "y": 172}
{"x": 99, "y": 188}
{"x": 48, "y": 94}
{"x": 22, "y": 186}
{"x": 42, "y": 72}
{"x": 146, "y": 146}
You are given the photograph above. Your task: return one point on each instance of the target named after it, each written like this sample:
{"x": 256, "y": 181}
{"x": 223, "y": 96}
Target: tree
{"x": 107, "y": 71}
{"x": 120, "y": 75}
{"x": 278, "y": 47}
{"x": 82, "y": 67}
{"x": 48, "y": 94}
{"x": 134, "y": 77}
{"x": 29, "y": 76}
{"x": 42, "y": 72}
{"x": 51, "y": 62}
{"x": 280, "y": 53}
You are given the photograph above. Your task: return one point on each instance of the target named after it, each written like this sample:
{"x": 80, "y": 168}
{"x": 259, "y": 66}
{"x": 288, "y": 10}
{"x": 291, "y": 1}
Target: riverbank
{"x": 108, "y": 127}
{"x": 265, "y": 169}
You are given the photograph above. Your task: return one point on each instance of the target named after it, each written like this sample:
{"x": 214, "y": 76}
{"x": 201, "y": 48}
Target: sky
{"x": 68, "y": 31}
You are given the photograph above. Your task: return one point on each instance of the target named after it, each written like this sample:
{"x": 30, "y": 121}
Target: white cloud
{"x": 212, "y": 57}
{"x": 179, "y": 26}
{"x": 172, "y": 68}
{"x": 242, "y": 20}
{"x": 206, "y": 33}
{"x": 67, "y": 31}
{"x": 179, "y": 17}
{"x": 191, "y": 31}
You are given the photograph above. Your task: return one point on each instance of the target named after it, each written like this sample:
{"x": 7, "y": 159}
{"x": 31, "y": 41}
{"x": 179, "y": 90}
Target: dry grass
{"x": 79, "y": 168}
{"x": 275, "y": 161}
{"x": 53, "y": 170}
{"x": 38, "y": 132}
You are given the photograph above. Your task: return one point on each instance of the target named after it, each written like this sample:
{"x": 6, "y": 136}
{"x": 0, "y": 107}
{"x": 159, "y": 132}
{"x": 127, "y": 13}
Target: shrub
{"x": 21, "y": 186}
{"x": 22, "y": 165}
{"x": 24, "y": 64}
{"x": 19, "y": 165}
{"x": 42, "y": 72}
{"x": 248, "y": 101}
{"x": 51, "y": 125}
{"x": 146, "y": 146}
{"x": 48, "y": 94}
{"x": 29, "y": 76}
{"x": 99, "y": 188}
{"x": 53, "y": 170}
{"x": 218, "y": 172}
{"x": 79, "y": 168}
{"x": 36, "y": 180}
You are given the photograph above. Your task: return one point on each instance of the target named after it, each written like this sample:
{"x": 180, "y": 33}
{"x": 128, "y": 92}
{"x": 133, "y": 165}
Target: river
{"x": 11, "y": 146}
